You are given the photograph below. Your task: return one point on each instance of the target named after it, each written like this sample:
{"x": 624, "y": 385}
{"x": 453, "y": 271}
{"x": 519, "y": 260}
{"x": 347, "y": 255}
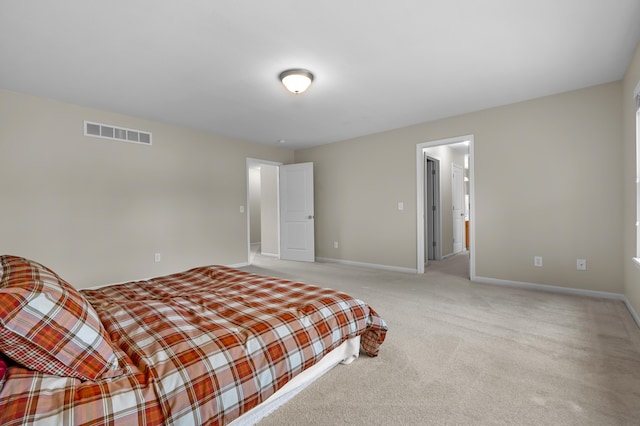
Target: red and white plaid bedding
{"x": 200, "y": 347}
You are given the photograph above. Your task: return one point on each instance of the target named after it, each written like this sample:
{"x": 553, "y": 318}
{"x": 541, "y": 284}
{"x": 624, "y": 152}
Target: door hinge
{"x": 433, "y": 243}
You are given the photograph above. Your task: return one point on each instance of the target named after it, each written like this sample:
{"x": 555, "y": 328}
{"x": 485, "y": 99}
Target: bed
{"x": 211, "y": 345}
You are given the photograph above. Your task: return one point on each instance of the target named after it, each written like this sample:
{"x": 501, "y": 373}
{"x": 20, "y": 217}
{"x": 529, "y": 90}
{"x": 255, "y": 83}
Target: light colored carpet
{"x": 461, "y": 353}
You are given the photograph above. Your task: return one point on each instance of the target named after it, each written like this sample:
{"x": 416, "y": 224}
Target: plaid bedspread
{"x": 200, "y": 347}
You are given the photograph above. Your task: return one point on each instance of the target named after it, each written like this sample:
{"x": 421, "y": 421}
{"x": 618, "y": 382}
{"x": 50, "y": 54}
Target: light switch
{"x": 400, "y": 205}
{"x": 241, "y": 209}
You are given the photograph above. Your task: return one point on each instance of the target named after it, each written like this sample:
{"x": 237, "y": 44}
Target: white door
{"x": 457, "y": 179}
{"x": 297, "y": 224}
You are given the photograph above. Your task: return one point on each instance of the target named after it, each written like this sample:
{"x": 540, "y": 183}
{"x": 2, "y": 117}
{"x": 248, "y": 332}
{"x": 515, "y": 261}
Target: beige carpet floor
{"x": 462, "y": 353}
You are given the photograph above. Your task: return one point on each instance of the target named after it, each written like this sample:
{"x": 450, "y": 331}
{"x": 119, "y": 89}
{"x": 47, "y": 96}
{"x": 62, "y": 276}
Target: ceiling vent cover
{"x": 107, "y": 131}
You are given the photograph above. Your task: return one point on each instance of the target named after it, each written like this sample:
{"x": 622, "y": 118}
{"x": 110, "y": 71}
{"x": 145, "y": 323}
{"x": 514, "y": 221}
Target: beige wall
{"x": 269, "y": 201}
{"x": 358, "y": 185}
{"x": 547, "y": 183}
{"x": 96, "y": 211}
{"x": 631, "y": 273}
{"x": 254, "y": 203}
{"x": 547, "y": 176}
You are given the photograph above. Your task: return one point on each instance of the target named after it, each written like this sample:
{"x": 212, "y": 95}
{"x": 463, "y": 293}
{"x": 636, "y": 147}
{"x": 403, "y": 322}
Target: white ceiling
{"x": 378, "y": 64}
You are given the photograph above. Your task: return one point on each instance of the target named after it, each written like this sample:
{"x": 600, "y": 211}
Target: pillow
{"x": 48, "y": 326}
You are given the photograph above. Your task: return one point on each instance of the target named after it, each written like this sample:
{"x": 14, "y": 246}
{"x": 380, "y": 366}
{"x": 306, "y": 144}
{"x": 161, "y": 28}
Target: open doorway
{"x": 280, "y": 210}
{"x": 445, "y": 201}
{"x": 262, "y": 208}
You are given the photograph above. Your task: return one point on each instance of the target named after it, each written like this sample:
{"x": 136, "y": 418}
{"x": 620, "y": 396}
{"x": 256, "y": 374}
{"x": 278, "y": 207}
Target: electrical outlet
{"x": 157, "y": 257}
{"x": 537, "y": 261}
{"x": 335, "y": 244}
{"x": 582, "y": 264}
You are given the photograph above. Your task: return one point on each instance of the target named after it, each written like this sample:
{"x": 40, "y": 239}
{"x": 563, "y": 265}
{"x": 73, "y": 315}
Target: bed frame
{"x": 345, "y": 354}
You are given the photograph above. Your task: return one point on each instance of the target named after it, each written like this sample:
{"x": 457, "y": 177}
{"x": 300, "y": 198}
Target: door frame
{"x": 250, "y": 163}
{"x": 420, "y": 180}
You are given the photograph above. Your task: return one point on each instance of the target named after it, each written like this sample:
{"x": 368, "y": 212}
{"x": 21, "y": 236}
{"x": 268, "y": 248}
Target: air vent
{"x": 107, "y": 131}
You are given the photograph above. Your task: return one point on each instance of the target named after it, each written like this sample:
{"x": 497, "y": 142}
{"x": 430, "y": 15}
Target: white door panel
{"x": 297, "y": 224}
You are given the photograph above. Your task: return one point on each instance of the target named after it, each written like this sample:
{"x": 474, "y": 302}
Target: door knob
{"x": 310, "y": 216}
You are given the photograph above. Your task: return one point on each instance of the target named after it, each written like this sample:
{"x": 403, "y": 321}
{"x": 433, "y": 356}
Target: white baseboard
{"x": 239, "y": 265}
{"x": 562, "y": 290}
{"x": 632, "y": 311}
{"x": 367, "y": 265}
{"x": 269, "y": 254}
{"x": 551, "y": 288}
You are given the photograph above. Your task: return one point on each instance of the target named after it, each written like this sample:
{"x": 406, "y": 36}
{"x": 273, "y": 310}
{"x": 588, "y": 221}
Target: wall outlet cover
{"x": 582, "y": 264}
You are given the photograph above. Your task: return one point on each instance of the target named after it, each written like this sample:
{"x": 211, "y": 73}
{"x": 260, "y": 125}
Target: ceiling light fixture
{"x": 296, "y": 80}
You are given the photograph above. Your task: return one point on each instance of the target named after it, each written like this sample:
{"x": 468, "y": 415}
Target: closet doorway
{"x": 262, "y": 208}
